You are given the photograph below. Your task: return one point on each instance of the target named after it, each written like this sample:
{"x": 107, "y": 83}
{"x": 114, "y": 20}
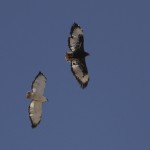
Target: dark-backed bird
{"x": 37, "y": 98}
{"x": 77, "y": 55}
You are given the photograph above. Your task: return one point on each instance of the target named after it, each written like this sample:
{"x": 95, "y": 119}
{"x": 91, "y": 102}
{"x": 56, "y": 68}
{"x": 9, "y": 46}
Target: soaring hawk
{"x": 37, "y": 98}
{"x": 77, "y": 55}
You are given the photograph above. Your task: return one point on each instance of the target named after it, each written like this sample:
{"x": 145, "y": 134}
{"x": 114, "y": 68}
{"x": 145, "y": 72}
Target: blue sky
{"x": 113, "y": 112}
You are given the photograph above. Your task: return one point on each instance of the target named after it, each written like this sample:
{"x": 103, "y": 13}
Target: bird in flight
{"x": 77, "y": 55}
{"x": 37, "y": 98}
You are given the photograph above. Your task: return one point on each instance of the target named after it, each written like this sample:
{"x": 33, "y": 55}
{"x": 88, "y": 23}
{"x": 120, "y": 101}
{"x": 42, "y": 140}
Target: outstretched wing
{"x": 76, "y": 39}
{"x": 35, "y": 112}
{"x": 38, "y": 85}
{"x": 79, "y": 70}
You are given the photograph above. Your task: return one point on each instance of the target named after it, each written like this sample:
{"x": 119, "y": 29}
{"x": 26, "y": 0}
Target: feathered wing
{"x": 79, "y": 70}
{"x": 76, "y": 39}
{"x": 35, "y": 112}
{"x": 38, "y": 85}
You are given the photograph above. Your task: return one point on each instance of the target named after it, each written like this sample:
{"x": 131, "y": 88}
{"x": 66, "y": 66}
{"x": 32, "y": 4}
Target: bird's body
{"x": 35, "y": 96}
{"x": 76, "y": 55}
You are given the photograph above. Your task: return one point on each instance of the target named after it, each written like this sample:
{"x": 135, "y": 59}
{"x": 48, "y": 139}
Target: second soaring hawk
{"x": 77, "y": 55}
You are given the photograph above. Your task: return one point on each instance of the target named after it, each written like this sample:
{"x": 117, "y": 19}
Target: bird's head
{"x": 68, "y": 56}
{"x": 29, "y": 95}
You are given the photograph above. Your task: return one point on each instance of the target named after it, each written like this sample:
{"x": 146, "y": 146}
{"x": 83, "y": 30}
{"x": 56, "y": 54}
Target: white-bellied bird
{"x": 37, "y": 98}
